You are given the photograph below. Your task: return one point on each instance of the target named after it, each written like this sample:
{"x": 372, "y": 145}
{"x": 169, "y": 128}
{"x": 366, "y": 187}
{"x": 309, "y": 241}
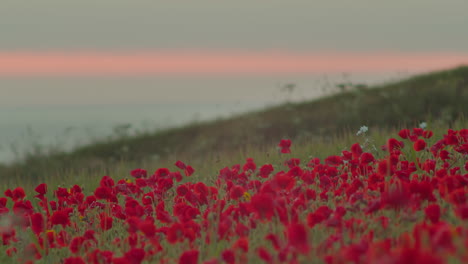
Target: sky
{"x": 115, "y": 51}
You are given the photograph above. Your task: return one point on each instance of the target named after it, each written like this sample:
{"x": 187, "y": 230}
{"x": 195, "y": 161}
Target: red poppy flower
{"x": 427, "y": 134}
{"x": 292, "y": 162}
{"x": 189, "y": 171}
{"x": 179, "y": 164}
{"x": 161, "y": 172}
{"x": 76, "y": 243}
{"x": 458, "y": 197}
{"x": 249, "y": 165}
{"x": 182, "y": 190}
{"x": 242, "y": 243}
{"x": 356, "y": 150}
{"x": 61, "y": 217}
{"x": 138, "y": 173}
{"x": 107, "y": 181}
{"x": 103, "y": 192}
{"x": 396, "y": 196}
{"x": 106, "y": 221}
{"x": 228, "y": 256}
{"x": 393, "y": 144}
{"x": 147, "y": 227}
{"x": 263, "y": 205}
{"x": 367, "y": 158}
{"x": 135, "y": 256}
{"x": 17, "y": 194}
{"x": 432, "y": 212}
{"x": 419, "y": 145}
{"x": 334, "y": 160}
{"x": 265, "y": 170}
{"x": 41, "y": 189}
{"x": 462, "y": 212}
{"x": 236, "y": 192}
{"x": 37, "y": 223}
{"x": 189, "y": 257}
{"x": 285, "y": 145}
{"x": 284, "y": 182}
{"x": 264, "y": 255}
{"x": 298, "y": 238}
{"x": 404, "y": 133}
{"x": 3, "y": 202}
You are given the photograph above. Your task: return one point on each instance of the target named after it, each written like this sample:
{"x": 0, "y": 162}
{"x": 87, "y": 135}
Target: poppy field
{"x": 402, "y": 202}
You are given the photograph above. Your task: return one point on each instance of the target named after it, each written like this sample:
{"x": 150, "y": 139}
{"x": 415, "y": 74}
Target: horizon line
{"x": 205, "y": 63}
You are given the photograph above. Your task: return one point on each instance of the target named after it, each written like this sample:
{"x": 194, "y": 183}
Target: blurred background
{"x": 76, "y": 72}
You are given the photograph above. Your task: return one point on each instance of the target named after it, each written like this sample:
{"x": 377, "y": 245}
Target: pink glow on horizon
{"x": 32, "y": 64}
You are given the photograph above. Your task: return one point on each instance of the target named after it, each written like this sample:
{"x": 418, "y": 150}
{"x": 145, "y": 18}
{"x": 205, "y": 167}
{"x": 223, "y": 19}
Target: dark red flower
{"x": 41, "y": 189}
{"x": 174, "y": 233}
{"x": 432, "y": 212}
{"x": 334, "y": 161}
{"x": 249, "y": 165}
{"x": 37, "y": 223}
{"x": 419, "y": 145}
{"x": 298, "y": 237}
{"x": 189, "y": 257}
{"x": 139, "y": 173}
{"x": 161, "y": 172}
{"x": 228, "y": 256}
{"x": 292, "y": 162}
{"x": 458, "y": 197}
{"x": 135, "y": 255}
{"x": 182, "y": 190}
{"x": 393, "y": 144}
{"x": 418, "y": 131}
{"x": 3, "y": 202}
{"x": 396, "y": 196}
{"x": 427, "y": 134}
{"x": 242, "y": 243}
{"x": 107, "y": 181}
{"x": 105, "y": 221}
{"x": 462, "y": 212}
{"x": 147, "y": 227}
{"x": 61, "y": 217}
{"x": 320, "y": 215}
{"x": 284, "y": 182}
{"x": 264, "y": 255}
{"x": 404, "y": 133}
{"x": 285, "y": 145}
{"x": 76, "y": 243}
{"x": 179, "y": 164}
{"x": 263, "y": 205}
{"x": 265, "y": 170}
{"x": 367, "y": 158}
{"x": 275, "y": 241}
{"x": 103, "y": 193}
{"x": 189, "y": 170}
{"x": 356, "y": 150}
{"x": 236, "y": 192}
{"x": 16, "y": 194}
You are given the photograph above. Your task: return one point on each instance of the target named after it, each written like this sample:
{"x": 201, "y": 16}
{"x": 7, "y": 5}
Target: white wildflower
{"x": 423, "y": 125}
{"x": 362, "y": 130}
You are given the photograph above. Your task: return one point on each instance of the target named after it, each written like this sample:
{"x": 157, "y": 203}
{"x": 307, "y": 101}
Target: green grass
{"x": 438, "y": 98}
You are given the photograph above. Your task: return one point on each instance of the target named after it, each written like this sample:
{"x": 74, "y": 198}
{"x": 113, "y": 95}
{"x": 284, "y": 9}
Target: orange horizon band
{"x": 202, "y": 63}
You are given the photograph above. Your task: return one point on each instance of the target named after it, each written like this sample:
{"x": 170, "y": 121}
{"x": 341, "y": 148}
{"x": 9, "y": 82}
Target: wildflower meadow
{"x": 401, "y": 202}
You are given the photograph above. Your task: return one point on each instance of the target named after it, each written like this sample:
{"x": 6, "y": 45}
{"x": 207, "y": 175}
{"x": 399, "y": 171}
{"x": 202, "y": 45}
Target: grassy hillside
{"x": 441, "y": 96}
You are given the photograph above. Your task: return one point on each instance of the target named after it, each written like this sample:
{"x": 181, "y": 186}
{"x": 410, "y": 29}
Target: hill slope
{"x": 436, "y": 96}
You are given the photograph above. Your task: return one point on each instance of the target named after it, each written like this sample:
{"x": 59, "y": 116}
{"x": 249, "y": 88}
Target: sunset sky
{"x": 196, "y": 46}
